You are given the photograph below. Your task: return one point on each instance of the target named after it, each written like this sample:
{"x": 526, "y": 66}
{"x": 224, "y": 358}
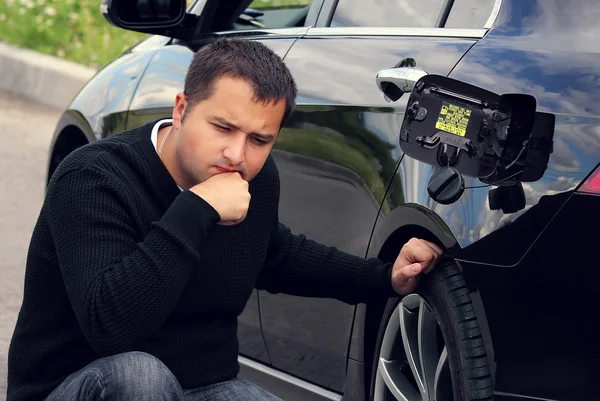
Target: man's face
{"x": 229, "y": 131}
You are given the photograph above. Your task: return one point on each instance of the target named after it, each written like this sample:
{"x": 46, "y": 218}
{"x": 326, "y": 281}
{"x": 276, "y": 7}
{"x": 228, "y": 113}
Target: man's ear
{"x": 179, "y": 109}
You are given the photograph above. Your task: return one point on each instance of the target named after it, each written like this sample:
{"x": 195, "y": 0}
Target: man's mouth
{"x": 227, "y": 170}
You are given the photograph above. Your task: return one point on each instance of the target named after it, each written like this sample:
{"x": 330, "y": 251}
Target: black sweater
{"x": 121, "y": 260}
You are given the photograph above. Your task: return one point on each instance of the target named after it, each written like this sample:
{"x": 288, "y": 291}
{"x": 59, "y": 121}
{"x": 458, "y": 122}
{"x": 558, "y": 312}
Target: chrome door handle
{"x": 404, "y": 78}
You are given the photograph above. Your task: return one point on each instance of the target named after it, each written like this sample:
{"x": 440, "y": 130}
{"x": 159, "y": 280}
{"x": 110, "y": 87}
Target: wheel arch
{"x": 391, "y": 232}
{"x": 411, "y": 220}
{"x": 72, "y": 131}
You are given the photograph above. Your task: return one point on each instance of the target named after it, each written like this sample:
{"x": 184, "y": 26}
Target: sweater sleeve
{"x": 299, "y": 266}
{"x": 121, "y": 285}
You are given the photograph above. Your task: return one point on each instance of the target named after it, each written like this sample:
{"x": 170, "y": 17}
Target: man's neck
{"x": 167, "y": 156}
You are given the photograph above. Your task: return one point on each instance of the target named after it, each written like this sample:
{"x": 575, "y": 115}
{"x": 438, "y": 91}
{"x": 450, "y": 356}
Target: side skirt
{"x": 284, "y": 386}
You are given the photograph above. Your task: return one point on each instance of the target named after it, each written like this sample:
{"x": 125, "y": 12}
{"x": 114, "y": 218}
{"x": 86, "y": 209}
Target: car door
{"x": 339, "y": 151}
{"x": 276, "y": 27}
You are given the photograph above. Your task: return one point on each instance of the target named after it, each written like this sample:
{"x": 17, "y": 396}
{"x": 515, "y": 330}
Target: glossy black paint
{"x": 346, "y": 182}
{"x": 543, "y": 314}
{"x": 336, "y": 159}
{"x": 533, "y": 269}
{"x": 106, "y": 99}
{"x": 545, "y": 332}
{"x": 526, "y": 53}
{"x": 100, "y": 108}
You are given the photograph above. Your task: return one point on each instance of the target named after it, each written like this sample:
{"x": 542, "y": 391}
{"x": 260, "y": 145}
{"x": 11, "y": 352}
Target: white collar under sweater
{"x": 154, "y": 134}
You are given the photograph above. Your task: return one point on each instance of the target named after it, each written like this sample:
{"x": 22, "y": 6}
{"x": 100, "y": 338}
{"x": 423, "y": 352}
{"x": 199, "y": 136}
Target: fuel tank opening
{"x": 465, "y": 130}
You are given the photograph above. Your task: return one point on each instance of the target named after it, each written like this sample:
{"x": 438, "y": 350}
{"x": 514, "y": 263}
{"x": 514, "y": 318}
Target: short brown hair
{"x": 241, "y": 58}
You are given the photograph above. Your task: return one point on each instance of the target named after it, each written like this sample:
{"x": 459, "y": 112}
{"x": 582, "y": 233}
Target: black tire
{"x": 445, "y": 291}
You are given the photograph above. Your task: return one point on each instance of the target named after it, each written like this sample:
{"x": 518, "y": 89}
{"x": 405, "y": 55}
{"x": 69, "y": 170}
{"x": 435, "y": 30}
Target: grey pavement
{"x": 36, "y": 76}
{"x": 26, "y": 129}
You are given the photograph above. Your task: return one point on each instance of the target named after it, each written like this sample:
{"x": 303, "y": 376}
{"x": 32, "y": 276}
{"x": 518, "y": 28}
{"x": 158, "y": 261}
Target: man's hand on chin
{"x": 417, "y": 256}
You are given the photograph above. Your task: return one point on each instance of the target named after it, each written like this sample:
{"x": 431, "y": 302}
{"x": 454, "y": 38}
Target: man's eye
{"x": 260, "y": 141}
{"x": 221, "y": 128}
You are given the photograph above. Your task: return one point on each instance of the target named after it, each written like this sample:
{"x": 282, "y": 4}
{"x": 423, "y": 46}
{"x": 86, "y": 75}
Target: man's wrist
{"x": 191, "y": 217}
{"x": 378, "y": 280}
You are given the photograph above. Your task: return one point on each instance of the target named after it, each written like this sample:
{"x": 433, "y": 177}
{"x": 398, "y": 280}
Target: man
{"x": 150, "y": 242}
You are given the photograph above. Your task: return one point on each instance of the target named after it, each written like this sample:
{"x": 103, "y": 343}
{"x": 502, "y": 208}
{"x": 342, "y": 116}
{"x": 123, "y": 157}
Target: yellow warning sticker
{"x": 453, "y": 119}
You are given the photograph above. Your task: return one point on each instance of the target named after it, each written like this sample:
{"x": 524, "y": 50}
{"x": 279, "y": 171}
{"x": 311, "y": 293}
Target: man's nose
{"x": 235, "y": 151}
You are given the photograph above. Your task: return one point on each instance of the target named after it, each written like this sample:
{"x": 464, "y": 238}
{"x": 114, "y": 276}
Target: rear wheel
{"x": 429, "y": 345}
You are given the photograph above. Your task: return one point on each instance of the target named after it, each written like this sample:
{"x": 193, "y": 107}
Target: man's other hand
{"x": 416, "y": 256}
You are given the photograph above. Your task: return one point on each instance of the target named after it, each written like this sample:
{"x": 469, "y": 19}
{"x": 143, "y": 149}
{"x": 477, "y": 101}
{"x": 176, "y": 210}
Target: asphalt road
{"x": 26, "y": 129}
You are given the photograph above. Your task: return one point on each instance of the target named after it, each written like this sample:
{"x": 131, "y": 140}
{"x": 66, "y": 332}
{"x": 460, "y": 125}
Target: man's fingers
{"x": 438, "y": 254}
{"x": 435, "y": 247}
{"x": 405, "y": 280}
{"x": 409, "y": 271}
{"x": 428, "y": 254}
{"x": 417, "y": 256}
{"x": 420, "y": 252}
{"x": 431, "y": 247}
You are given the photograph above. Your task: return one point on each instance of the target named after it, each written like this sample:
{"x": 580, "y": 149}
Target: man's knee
{"x": 127, "y": 376}
{"x": 137, "y": 375}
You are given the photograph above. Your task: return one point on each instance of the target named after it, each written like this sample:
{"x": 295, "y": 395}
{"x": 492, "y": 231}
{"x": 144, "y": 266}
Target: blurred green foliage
{"x": 75, "y": 29}
{"x": 70, "y": 29}
{"x": 341, "y": 137}
{"x": 338, "y": 150}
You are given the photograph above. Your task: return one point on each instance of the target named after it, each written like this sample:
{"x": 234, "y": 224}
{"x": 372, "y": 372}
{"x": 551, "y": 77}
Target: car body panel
{"x": 543, "y": 313}
{"x": 504, "y": 61}
{"x": 561, "y": 68}
{"x": 105, "y": 100}
{"x": 532, "y": 272}
{"x": 336, "y": 158}
{"x": 100, "y": 108}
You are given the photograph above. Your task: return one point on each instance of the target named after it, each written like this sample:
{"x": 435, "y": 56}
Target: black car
{"x": 473, "y": 124}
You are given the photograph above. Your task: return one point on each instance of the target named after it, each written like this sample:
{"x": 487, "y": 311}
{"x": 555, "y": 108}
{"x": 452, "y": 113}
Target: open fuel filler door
{"x": 465, "y": 130}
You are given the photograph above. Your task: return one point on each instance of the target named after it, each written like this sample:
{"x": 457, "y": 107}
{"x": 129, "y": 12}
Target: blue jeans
{"x": 140, "y": 376}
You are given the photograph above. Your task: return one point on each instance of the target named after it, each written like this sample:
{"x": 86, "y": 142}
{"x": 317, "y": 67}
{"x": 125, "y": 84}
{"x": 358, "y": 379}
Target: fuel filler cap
{"x": 446, "y": 185}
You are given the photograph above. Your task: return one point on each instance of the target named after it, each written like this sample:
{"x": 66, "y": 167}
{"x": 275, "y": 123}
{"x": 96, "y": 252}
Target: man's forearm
{"x": 299, "y": 266}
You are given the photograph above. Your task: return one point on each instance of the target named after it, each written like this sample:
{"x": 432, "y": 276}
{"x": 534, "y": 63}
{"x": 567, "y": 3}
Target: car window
{"x": 262, "y": 14}
{"x": 387, "y": 13}
{"x": 471, "y": 14}
{"x": 271, "y": 14}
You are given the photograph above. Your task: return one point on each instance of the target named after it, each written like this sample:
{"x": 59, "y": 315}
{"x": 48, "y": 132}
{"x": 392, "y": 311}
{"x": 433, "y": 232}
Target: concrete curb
{"x": 49, "y": 80}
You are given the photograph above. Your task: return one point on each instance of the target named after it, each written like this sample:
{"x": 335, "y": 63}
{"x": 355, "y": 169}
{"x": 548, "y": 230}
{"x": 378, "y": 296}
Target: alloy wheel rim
{"x": 413, "y": 359}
